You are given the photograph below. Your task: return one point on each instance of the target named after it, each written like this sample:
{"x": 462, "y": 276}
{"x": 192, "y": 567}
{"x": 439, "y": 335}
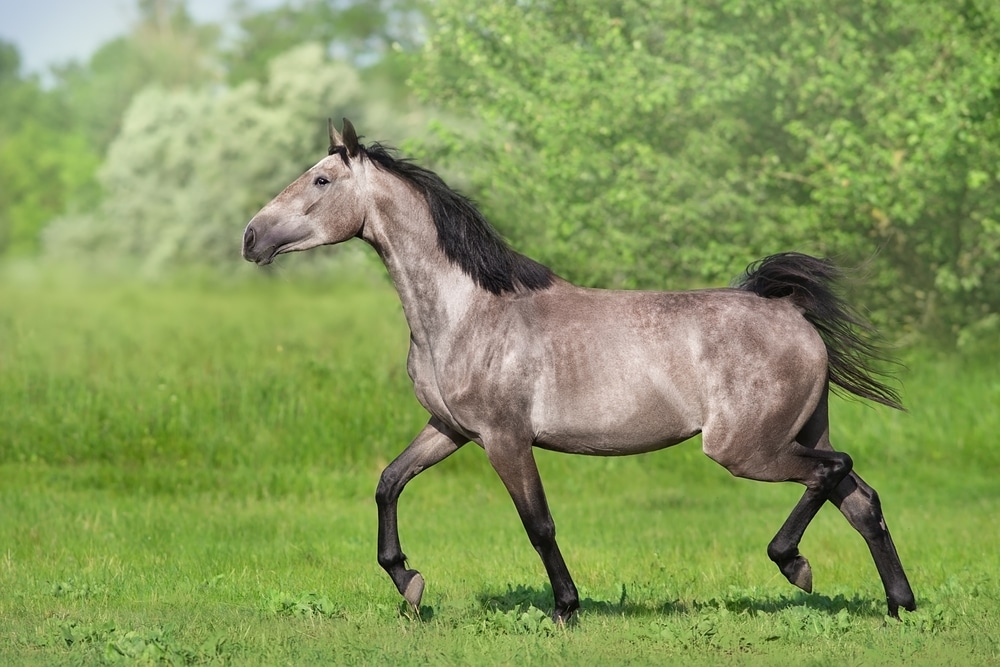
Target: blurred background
{"x": 656, "y": 144}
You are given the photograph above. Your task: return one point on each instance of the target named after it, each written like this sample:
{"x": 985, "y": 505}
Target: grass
{"x": 186, "y": 477}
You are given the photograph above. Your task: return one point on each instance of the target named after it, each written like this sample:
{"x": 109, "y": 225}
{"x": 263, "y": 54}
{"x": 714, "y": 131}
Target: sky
{"x": 48, "y": 32}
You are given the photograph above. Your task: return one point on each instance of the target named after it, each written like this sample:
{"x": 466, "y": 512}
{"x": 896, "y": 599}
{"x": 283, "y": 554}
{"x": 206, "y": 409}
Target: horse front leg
{"x": 515, "y": 464}
{"x": 433, "y": 444}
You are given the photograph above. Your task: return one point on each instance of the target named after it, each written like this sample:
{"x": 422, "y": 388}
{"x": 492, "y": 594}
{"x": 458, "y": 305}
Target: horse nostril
{"x": 248, "y": 238}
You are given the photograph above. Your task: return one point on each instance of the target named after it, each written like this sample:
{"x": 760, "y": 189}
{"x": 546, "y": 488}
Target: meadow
{"x": 187, "y": 473}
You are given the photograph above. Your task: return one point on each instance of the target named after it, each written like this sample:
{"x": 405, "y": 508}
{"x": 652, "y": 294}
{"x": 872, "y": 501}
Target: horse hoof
{"x": 799, "y": 574}
{"x": 414, "y": 592}
{"x": 562, "y": 619}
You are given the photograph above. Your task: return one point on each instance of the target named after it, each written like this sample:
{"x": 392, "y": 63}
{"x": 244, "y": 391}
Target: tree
{"x": 361, "y": 33}
{"x": 906, "y": 155}
{"x": 164, "y": 47}
{"x": 662, "y": 142}
{"x": 46, "y": 166}
{"x": 52, "y": 140}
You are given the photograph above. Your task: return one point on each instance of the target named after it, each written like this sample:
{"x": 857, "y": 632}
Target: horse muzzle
{"x": 258, "y": 253}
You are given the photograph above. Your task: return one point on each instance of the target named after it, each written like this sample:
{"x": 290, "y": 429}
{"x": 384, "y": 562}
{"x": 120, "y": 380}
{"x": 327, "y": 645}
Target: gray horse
{"x": 506, "y": 354}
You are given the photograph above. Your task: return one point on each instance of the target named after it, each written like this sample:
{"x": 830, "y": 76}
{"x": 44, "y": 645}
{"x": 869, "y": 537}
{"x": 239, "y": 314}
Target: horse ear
{"x": 335, "y": 138}
{"x": 351, "y": 139}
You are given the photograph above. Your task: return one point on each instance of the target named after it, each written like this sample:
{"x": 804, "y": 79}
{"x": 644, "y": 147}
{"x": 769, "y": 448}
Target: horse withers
{"x": 506, "y": 354}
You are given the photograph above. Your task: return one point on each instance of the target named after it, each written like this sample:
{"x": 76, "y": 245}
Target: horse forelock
{"x": 464, "y": 234}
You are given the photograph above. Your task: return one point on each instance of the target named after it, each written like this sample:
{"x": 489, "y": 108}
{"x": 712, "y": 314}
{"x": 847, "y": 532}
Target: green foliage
{"x": 903, "y": 138}
{"x": 46, "y": 166}
{"x": 106, "y": 644}
{"x": 627, "y": 144}
{"x": 164, "y": 47}
{"x": 654, "y": 143}
{"x": 306, "y": 605}
{"x": 519, "y": 621}
{"x": 44, "y": 172}
{"x": 52, "y": 140}
{"x": 151, "y": 105}
{"x": 361, "y": 33}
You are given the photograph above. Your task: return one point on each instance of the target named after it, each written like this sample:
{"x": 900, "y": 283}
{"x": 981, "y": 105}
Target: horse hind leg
{"x": 860, "y": 505}
{"x": 819, "y": 471}
{"x": 828, "y": 470}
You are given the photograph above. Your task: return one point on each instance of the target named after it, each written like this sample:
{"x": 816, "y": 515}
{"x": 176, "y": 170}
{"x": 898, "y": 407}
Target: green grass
{"x": 186, "y": 477}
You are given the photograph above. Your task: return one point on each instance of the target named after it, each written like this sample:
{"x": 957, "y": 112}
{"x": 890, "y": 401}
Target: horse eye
{"x": 321, "y": 180}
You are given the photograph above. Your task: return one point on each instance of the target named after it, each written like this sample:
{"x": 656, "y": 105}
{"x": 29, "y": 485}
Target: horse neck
{"x": 435, "y": 293}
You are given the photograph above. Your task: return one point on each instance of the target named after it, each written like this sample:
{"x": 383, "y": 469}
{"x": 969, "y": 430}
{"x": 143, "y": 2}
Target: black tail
{"x": 850, "y": 339}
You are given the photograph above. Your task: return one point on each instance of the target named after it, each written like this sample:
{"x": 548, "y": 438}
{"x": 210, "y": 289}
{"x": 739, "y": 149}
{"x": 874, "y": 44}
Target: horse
{"x": 506, "y": 354}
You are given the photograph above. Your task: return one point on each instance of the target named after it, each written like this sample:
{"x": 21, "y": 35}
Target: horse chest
{"x": 430, "y": 391}
{"x": 421, "y": 372}
{"x": 450, "y": 385}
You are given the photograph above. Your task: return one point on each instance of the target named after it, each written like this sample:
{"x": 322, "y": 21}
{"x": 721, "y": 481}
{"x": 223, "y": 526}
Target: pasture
{"x": 187, "y": 473}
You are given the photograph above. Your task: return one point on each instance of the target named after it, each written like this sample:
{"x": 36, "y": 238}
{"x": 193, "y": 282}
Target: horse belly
{"x": 613, "y": 421}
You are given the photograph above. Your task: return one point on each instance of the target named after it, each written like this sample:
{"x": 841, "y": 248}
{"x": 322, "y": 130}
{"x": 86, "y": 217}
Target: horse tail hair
{"x": 851, "y": 341}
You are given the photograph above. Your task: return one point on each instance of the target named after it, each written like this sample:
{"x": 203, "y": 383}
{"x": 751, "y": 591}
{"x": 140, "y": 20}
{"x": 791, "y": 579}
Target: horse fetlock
{"x": 781, "y": 553}
{"x": 409, "y": 583}
{"x": 392, "y": 563}
{"x": 564, "y": 612}
{"x": 900, "y": 598}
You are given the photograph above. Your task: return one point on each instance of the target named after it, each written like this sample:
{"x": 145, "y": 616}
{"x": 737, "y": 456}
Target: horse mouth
{"x": 262, "y": 248}
{"x": 260, "y": 256}
{"x": 267, "y": 257}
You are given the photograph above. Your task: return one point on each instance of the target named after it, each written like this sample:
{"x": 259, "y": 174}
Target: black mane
{"x": 464, "y": 235}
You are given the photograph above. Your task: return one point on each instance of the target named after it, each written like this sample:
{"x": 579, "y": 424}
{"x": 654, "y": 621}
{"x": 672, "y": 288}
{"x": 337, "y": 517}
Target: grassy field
{"x": 187, "y": 472}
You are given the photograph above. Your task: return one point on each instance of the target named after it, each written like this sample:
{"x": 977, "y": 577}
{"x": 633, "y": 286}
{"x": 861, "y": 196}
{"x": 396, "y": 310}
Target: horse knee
{"x": 387, "y": 490}
{"x": 541, "y": 532}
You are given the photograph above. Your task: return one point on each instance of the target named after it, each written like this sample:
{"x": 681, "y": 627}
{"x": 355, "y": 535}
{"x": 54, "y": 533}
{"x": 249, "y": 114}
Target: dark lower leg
{"x": 517, "y": 470}
{"x": 783, "y": 549}
{"x": 432, "y": 445}
{"x": 409, "y": 583}
{"x": 860, "y": 504}
{"x": 829, "y": 468}
{"x": 543, "y": 537}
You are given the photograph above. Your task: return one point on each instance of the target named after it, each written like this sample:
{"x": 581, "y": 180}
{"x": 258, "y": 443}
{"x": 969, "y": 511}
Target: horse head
{"x": 323, "y": 206}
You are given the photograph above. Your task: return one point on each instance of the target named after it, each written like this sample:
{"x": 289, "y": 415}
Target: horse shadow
{"x": 524, "y": 597}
